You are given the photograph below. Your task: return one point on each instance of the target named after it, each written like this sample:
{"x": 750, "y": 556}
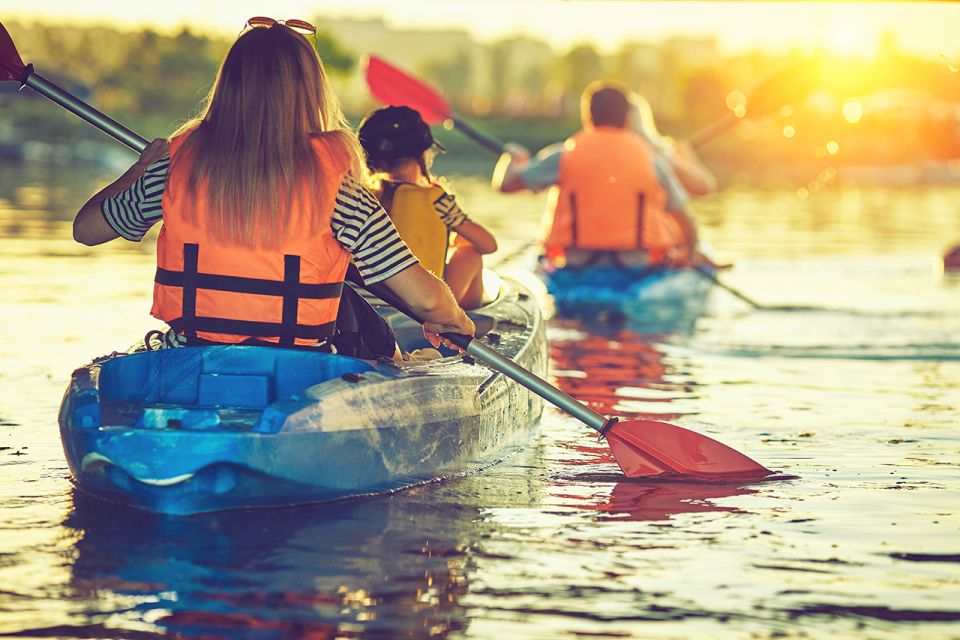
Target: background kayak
{"x": 667, "y": 298}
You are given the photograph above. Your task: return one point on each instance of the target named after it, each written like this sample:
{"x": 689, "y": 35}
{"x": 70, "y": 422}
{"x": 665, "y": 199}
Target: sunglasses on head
{"x": 300, "y": 26}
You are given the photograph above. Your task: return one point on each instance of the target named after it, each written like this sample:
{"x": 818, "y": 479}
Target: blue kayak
{"x": 199, "y": 429}
{"x": 635, "y": 292}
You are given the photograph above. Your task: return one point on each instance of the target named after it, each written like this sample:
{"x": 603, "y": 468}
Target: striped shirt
{"x": 446, "y": 206}
{"x": 449, "y": 211}
{"x": 359, "y": 223}
{"x": 451, "y": 215}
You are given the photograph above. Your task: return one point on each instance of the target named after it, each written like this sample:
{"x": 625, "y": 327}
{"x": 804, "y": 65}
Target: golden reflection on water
{"x": 859, "y": 403}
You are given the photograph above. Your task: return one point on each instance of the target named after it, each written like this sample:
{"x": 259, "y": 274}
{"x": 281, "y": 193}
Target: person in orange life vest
{"x": 263, "y": 210}
{"x": 400, "y": 149}
{"x": 611, "y": 196}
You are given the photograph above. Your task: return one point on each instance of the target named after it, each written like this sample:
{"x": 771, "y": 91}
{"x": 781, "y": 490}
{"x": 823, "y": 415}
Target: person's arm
{"x": 677, "y": 197}
{"x": 536, "y": 174}
{"x": 677, "y": 205}
{"x": 90, "y": 227}
{"x": 507, "y": 174}
{"x": 478, "y": 235}
{"x": 695, "y": 177}
{"x": 431, "y": 301}
{"x": 456, "y": 220}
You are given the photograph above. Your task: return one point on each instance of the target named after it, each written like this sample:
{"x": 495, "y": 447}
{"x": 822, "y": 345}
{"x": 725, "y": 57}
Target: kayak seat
{"x": 237, "y": 377}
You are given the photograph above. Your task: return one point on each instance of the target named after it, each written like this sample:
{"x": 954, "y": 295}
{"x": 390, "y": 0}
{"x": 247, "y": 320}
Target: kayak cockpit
{"x": 225, "y": 388}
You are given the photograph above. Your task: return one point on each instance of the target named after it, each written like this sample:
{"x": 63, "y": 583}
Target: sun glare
{"x": 848, "y": 38}
{"x": 852, "y": 110}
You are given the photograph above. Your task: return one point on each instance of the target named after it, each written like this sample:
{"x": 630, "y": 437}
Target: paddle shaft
{"x": 779, "y": 88}
{"x": 530, "y": 380}
{"x": 499, "y": 363}
{"x": 490, "y": 144}
{"x": 73, "y": 104}
{"x": 712, "y": 130}
{"x": 712, "y": 277}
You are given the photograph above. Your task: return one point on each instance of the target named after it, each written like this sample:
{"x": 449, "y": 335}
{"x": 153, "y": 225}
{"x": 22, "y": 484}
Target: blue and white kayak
{"x": 199, "y": 429}
{"x": 635, "y": 292}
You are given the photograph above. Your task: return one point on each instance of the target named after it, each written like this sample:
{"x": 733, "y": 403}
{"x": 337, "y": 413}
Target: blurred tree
{"x": 335, "y": 58}
{"x": 452, "y": 73}
{"x": 575, "y": 70}
{"x": 579, "y": 67}
{"x": 501, "y": 78}
{"x": 161, "y": 80}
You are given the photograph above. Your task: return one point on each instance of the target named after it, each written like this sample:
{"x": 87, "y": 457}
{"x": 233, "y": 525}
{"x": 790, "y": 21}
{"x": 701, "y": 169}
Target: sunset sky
{"x": 929, "y": 28}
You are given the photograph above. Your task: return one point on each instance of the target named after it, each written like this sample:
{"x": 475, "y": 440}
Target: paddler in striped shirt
{"x": 262, "y": 212}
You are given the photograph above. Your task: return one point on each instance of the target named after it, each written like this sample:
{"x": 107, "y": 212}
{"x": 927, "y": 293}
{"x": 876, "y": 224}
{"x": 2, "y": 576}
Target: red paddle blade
{"x": 11, "y": 66}
{"x": 647, "y": 449}
{"x": 392, "y": 87}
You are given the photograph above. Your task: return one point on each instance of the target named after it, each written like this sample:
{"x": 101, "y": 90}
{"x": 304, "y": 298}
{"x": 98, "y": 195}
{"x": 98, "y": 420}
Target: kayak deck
{"x": 201, "y": 429}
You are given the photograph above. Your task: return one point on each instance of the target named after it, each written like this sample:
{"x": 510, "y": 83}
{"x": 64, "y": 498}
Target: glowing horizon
{"x": 845, "y": 28}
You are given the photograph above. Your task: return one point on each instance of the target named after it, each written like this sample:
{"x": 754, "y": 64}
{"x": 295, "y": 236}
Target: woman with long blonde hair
{"x": 262, "y": 212}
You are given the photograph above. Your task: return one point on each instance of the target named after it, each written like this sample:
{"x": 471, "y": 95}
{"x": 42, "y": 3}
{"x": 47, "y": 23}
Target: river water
{"x": 853, "y": 401}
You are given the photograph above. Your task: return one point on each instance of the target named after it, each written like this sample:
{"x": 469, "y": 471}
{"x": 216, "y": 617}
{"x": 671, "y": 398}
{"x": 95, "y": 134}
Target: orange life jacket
{"x": 210, "y": 289}
{"x": 608, "y": 198}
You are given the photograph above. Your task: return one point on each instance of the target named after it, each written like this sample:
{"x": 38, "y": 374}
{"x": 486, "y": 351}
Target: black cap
{"x": 391, "y": 133}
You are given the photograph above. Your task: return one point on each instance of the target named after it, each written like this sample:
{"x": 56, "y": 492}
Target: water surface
{"x": 853, "y": 402}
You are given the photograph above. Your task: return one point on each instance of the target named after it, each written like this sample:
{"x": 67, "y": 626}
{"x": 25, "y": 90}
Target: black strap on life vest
{"x": 574, "y": 219}
{"x": 641, "y": 205}
{"x": 290, "y": 289}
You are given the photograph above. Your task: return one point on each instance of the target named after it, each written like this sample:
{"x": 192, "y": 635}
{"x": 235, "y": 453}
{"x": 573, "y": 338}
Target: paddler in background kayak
{"x": 695, "y": 177}
{"x": 400, "y": 149}
{"x": 262, "y": 211}
{"x": 612, "y": 199}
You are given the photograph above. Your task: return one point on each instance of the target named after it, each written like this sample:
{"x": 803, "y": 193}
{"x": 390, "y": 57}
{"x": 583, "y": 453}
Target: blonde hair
{"x": 251, "y": 145}
{"x": 641, "y": 121}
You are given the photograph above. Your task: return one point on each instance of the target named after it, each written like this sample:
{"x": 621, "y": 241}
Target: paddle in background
{"x": 781, "y": 88}
{"x": 392, "y": 86}
{"x": 395, "y": 88}
{"x": 13, "y": 68}
{"x": 642, "y": 448}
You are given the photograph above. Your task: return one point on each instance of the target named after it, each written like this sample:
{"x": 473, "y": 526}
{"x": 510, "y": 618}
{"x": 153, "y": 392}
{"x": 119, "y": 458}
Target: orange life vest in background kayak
{"x": 412, "y": 209}
{"x": 608, "y": 198}
{"x": 209, "y": 289}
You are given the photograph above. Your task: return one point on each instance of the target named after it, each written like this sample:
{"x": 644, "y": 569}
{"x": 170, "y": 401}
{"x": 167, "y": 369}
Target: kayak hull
{"x": 201, "y": 429}
{"x": 637, "y": 293}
